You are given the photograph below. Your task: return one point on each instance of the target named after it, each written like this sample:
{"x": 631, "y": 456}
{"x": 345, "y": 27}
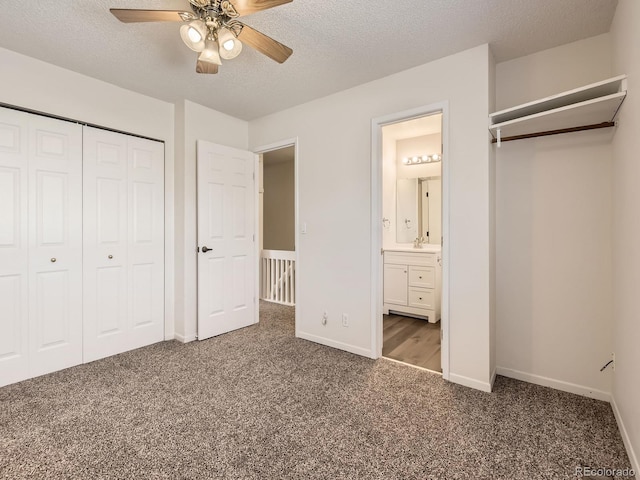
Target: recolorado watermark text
{"x": 585, "y": 472}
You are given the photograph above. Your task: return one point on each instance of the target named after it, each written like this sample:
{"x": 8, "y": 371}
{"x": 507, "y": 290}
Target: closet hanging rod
{"x": 556, "y": 132}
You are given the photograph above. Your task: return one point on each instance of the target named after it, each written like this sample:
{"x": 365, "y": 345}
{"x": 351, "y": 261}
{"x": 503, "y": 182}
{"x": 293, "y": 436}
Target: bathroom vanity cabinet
{"x": 412, "y": 283}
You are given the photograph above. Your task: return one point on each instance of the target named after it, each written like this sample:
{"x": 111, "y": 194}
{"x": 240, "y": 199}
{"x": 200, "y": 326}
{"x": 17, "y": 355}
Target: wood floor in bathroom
{"x": 412, "y": 340}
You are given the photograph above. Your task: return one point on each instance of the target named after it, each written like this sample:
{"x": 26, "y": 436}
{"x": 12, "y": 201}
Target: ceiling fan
{"x": 212, "y": 29}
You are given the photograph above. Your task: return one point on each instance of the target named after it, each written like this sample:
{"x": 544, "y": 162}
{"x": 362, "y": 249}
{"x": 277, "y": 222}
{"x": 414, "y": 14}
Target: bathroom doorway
{"x": 411, "y": 316}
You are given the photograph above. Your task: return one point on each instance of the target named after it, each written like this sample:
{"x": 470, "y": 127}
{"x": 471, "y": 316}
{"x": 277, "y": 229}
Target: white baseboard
{"x": 553, "y": 383}
{"x": 185, "y": 338}
{"x": 365, "y": 352}
{"x": 633, "y": 458}
{"x": 494, "y": 374}
{"x": 470, "y": 382}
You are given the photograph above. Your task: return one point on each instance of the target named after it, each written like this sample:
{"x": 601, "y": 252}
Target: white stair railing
{"x": 277, "y": 276}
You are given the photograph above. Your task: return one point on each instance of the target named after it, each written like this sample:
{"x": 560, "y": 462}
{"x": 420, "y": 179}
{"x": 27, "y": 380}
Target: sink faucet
{"x": 417, "y": 243}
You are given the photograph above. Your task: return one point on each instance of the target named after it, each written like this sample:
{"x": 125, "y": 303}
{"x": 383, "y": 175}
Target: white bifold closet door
{"x": 123, "y": 243}
{"x": 40, "y": 245}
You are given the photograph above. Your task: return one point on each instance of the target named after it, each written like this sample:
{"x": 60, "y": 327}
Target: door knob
{"x": 205, "y": 249}
{"x": 53, "y": 260}
{"x": 110, "y": 257}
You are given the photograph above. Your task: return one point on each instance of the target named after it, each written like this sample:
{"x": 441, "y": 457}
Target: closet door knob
{"x": 53, "y": 260}
{"x": 205, "y": 249}
{"x": 110, "y": 257}
{"x": 420, "y": 278}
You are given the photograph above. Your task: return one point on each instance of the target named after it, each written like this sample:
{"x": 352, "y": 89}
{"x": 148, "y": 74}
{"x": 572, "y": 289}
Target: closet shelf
{"x": 586, "y": 108}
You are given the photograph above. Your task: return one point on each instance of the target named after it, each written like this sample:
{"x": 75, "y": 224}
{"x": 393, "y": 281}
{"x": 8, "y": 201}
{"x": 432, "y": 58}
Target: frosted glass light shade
{"x": 230, "y": 46}
{"x": 210, "y": 53}
{"x": 193, "y": 35}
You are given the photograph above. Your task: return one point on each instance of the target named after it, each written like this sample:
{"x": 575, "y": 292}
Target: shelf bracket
{"x": 499, "y": 140}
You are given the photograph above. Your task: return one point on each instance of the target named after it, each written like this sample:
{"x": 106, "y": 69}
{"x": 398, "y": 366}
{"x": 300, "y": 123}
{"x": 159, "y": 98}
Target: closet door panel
{"x": 106, "y": 325}
{"x": 146, "y": 240}
{"x": 14, "y": 339}
{"x": 55, "y": 244}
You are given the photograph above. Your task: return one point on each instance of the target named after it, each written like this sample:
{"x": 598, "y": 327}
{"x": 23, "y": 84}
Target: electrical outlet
{"x": 325, "y": 317}
{"x": 345, "y": 320}
{"x": 613, "y": 358}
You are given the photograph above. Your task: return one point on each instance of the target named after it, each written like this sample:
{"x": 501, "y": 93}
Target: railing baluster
{"x": 286, "y": 281}
{"x": 277, "y": 276}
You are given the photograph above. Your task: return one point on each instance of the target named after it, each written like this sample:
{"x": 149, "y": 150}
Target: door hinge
{"x": 427, "y": 194}
{"x": 382, "y": 251}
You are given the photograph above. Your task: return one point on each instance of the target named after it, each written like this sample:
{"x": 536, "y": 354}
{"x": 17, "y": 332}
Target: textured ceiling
{"x": 337, "y": 44}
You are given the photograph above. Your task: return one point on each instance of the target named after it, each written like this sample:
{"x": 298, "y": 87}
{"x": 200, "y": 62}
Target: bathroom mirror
{"x": 419, "y": 209}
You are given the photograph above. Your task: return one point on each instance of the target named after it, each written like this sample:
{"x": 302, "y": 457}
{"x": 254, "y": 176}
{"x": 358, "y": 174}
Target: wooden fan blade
{"x": 206, "y": 67}
{"x": 245, "y": 7}
{"x": 131, "y": 15}
{"x": 265, "y": 45}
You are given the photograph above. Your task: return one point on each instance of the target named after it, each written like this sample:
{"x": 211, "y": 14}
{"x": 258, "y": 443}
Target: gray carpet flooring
{"x": 260, "y": 404}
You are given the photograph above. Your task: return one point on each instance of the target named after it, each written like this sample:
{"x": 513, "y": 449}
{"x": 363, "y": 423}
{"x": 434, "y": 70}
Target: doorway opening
{"x": 277, "y": 237}
{"x": 410, "y": 186}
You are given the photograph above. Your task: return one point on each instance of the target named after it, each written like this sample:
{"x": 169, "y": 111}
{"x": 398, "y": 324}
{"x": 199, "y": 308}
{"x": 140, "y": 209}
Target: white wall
{"x": 29, "y": 83}
{"x": 335, "y": 201}
{"x": 279, "y": 205}
{"x": 492, "y": 226}
{"x": 626, "y": 230}
{"x": 553, "y": 232}
{"x": 195, "y": 122}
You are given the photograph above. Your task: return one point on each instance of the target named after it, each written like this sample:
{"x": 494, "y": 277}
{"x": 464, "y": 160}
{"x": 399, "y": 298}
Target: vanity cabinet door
{"x": 395, "y": 284}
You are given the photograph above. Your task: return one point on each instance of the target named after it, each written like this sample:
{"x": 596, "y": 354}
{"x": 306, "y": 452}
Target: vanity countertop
{"x": 424, "y": 249}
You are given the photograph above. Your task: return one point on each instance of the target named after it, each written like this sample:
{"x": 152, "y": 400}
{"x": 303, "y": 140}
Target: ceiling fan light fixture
{"x": 193, "y": 35}
{"x": 210, "y": 53}
{"x": 230, "y": 46}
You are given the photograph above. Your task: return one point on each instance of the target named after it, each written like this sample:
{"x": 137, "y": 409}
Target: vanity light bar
{"x": 416, "y": 160}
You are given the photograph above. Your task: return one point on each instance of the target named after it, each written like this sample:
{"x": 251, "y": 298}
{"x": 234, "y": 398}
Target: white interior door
{"x": 14, "y": 258}
{"x": 227, "y": 287}
{"x": 105, "y": 244}
{"x": 55, "y": 244}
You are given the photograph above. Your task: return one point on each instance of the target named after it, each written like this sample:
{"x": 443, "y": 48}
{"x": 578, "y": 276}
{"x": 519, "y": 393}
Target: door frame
{"x": 377, "y": 228}
{"x": 291, "y": 142}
